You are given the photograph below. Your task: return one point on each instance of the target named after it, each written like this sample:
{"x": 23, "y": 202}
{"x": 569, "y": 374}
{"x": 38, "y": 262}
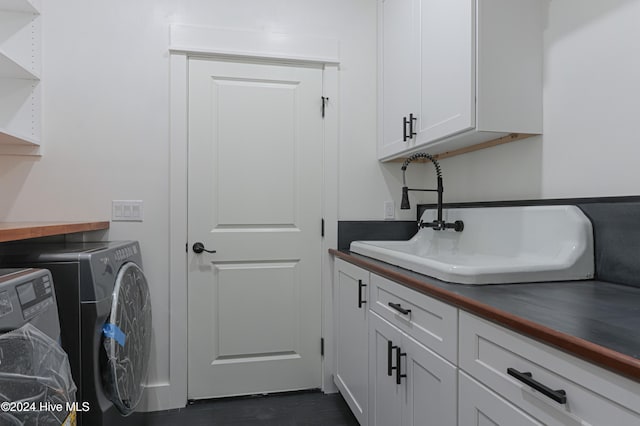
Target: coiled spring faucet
{"x": 439, "y": 224}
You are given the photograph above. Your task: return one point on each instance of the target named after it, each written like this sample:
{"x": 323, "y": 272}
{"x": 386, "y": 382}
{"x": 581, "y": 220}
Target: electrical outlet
{"x": 389, "y": 210}
{"x": 126, "y": 211}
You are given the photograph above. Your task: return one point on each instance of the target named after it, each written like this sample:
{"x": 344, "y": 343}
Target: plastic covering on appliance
{"x": 36, "y": 388}
{"x": 127, "y": 339}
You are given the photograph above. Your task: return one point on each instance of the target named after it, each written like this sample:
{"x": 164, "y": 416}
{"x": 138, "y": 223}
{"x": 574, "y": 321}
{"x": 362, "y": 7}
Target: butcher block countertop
{"x": 593, "y": 320}
{"x": 14, "y": 231}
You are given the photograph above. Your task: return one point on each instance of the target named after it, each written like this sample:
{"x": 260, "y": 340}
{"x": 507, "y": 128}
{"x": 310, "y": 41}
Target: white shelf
{"x": 16, "y": 144}
{"x": 8, "y": 137}
{"x": 11, "y": 68}
{"x": 26, "y": 6}
{"x": 20, "y": 87}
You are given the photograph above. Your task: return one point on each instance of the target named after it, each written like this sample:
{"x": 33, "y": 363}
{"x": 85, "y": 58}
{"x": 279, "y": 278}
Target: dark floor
{"x": 288, "y": 409}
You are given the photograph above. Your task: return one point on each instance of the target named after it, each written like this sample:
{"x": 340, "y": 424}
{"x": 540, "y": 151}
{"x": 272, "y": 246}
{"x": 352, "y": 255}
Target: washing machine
{"x": 36, "y": 387}
{"x": 105, "y": 316}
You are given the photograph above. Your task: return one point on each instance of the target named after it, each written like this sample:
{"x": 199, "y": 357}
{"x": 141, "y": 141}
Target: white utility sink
{"x": 498, "y": 245}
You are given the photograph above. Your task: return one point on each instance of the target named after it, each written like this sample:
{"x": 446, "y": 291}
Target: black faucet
{"x": 438, "y": 224}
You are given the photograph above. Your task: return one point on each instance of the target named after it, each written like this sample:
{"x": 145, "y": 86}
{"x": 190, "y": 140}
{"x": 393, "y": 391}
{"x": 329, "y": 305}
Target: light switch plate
{"x": 389, "y": 210}
{"x": 126, "y": 210}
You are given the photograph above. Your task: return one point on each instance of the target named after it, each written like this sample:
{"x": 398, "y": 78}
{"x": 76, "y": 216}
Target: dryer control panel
{"x": 27, "y": 295}
{"x": 35, "y": 296}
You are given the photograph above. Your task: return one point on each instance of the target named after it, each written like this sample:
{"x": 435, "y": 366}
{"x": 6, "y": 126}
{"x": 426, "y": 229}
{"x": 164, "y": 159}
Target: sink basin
{"x": 498, "y": 245}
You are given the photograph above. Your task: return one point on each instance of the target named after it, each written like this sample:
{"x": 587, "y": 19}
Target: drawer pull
{"x": 390, "y": 367}
{"x": 399, "y": 308}
{"x": 399, "y": 375}
{"x": 361, "y": 302}
{"x": 559, "y": 396}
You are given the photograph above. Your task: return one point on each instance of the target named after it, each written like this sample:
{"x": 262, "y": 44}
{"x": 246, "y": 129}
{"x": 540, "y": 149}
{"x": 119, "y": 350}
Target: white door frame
{"x": 188, "y": 41}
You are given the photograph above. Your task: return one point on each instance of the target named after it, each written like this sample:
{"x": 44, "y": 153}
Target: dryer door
{"x": 128, "y": 338}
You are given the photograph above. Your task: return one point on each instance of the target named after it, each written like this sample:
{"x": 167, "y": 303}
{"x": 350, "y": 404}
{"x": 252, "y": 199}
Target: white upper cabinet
{"x": 20, "y": 68}
{"x": 455, "y": 73}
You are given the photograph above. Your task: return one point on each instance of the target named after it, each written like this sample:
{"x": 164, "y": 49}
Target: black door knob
{"x": 199, "y": 248}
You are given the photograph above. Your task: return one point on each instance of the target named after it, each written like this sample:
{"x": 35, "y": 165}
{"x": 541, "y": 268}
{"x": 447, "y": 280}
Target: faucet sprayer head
{"x": 404, "y": 204}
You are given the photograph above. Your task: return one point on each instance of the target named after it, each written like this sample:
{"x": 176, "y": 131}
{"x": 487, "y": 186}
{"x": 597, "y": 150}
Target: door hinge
{"x": 325, "y": 101}
{"x": 322, "y": 227}
{"x": 322, "y": 346}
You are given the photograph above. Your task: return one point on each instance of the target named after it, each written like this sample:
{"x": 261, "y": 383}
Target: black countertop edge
{"x": 593, "y": 320}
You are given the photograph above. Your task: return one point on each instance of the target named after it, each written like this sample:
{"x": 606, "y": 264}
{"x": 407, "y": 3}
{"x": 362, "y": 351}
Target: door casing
{"x": 206, "y": 42}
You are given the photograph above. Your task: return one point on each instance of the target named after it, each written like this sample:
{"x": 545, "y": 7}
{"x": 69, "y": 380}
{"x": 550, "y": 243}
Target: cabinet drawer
{"x": 594, "y": 396}
{"x": 427, "y": 320}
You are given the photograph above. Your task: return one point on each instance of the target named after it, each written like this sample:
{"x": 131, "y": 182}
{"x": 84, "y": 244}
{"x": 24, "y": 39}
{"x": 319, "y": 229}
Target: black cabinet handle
{"x": 405, "y": 136}
{"x": 199, "y": 248}
{"x": 399, "y": 308}
{"x": 560, "y": 396}
{"x": 412, "y": 120}
{"x": 361, "y": 302}
{"x": 399, "y": 375}
{"x": 390, "y": 367}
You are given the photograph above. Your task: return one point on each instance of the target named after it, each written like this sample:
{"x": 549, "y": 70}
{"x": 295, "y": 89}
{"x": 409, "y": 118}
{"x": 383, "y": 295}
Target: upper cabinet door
{"x": 447, "y": 68}
{"x": 399, "y": 76}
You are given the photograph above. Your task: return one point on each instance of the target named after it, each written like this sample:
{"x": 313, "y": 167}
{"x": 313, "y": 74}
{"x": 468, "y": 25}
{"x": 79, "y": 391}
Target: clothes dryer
{"x": 36, "y": 387}
{"x": 105, "y": 316}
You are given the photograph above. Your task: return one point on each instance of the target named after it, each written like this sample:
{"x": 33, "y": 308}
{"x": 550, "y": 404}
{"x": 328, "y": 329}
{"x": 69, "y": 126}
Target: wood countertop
{"x": 593, "y": 320}
{"x": 14, "y": 231}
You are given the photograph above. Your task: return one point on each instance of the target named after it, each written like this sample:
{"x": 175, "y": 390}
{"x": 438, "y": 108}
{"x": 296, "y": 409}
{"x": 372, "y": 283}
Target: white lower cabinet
{"x": 351, "y": 377}
{"x": 551, "y": 386}
{"x": 408, "y": 383}
{"x": 407, "y": 359}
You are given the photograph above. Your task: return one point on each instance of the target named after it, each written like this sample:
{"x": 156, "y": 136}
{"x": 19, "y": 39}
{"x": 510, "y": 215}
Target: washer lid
{"x": 128, "y": 338}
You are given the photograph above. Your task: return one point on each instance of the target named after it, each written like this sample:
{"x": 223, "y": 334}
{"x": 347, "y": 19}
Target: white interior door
{"x": 255, "y": 181}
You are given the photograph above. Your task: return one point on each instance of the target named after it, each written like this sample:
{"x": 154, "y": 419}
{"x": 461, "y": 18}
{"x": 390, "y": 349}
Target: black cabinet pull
{"x": 390, "y": 367}
{"x": 399, "y": 308}
{"x": 560, "y": 396}
{"x": 412, "y": 120}
{"x": 399, "y": 375}
{"x": 405, "y": 136}
{"x": 361, "y": 302}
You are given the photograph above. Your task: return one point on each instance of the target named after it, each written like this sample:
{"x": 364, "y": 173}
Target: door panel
{"x": 271, "y": 325}
{"x": 255, "y": 185}
{"x": 352, "y": 351}
{"x": 399, "y": 72}
{"x": 258, "y": 139}
{"x": 431, "y": 387}
{"x": 447, "y": 54}
{"x": 385, "y": 403}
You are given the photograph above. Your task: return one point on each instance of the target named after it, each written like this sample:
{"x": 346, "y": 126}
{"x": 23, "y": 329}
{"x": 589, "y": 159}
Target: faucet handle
{"x": 457, "y": 226}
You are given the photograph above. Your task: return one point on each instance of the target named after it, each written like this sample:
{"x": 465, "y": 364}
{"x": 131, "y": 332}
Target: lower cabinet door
{"x": 352, "y": 350}
{"x": 385, "y": 393}
{"x": 479, "y": 406}
{"x": 409, "y": 384}
{"x": 431, "y": 387}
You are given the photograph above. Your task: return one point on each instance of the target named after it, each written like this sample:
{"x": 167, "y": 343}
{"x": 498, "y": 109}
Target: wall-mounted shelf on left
{"x": 15, "y": 231}
{"x": 20, "y": 85}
